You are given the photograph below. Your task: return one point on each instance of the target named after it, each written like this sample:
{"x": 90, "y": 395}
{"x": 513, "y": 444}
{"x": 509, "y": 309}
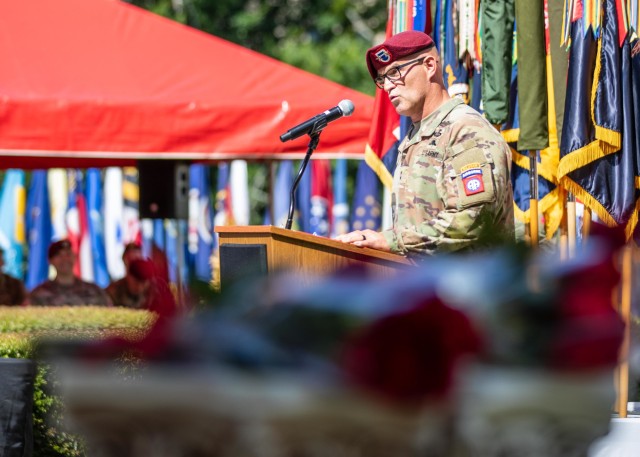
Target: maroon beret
{"x": 395, "y": 47}
{"x": 56, "y": 247}
{"x": 131, "y": 247}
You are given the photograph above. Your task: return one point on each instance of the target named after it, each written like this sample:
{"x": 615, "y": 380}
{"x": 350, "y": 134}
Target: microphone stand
{"x": 313, "y": 143}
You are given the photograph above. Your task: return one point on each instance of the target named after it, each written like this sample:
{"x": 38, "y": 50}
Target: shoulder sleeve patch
{"x": 473, "y": 178}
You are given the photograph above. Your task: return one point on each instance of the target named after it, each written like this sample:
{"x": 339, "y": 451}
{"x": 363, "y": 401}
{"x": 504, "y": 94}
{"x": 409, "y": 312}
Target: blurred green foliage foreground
{"x": 21, "y": 328}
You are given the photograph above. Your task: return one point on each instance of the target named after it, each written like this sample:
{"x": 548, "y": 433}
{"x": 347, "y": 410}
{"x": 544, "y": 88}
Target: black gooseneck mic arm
{"x": 313, "y": 143}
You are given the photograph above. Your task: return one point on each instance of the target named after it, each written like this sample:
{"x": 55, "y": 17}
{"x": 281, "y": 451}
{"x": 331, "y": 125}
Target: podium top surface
{"x": 270, "y": 230}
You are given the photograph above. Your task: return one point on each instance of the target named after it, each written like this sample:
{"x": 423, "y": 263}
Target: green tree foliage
{"x": 326, "y": 37}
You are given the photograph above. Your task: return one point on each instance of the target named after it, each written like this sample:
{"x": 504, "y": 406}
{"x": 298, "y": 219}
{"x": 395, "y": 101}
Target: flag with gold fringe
{"x": 531, "y": 139}
{"x": 598, "y": 151}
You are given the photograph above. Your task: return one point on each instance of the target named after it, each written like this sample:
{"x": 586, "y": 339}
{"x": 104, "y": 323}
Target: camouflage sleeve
{"x": 39, "y": 297}
{"x": 20, "y": 294}
{"x": 469, "y": 200}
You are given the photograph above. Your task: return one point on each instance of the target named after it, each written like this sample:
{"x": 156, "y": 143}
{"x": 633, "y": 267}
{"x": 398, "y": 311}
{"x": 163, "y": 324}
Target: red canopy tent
{"x": 101, "y": 83}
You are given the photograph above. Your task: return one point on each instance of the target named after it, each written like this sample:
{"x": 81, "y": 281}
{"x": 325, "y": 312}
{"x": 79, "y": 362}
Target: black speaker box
{"x": 17, "y": 378}
{"x": 164, "y": 189}
{"x": 241, "y": 261}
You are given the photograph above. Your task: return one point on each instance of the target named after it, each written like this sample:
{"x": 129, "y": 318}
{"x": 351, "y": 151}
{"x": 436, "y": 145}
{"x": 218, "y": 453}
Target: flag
{"x": 532, "y": 75}
{"x": 476, "y": 87}
{"x": 113, "y": 231}
{"x": 282, "y": 193}
{"x": 223, "y": 214}
{"x": 171, "y": 248}
{"x": 384, "y": 134}
{"x": 456, "y": 76}
{"x": 200, "y": 237}
{"x": 597, "y": 160}
{"x": 340, "y": 223}
{"x": 550, "y": 202}
{"x": 497, "y": 24}
{"x": 321, "y": 198}
{"x": 239, "y": 192}
{"x": 559, "y": 61}
{"x": 303, "y": 201}
{"x": 57, "y": 184}
{"x": 130, "y": 207}
{"x": 39, "y": 229}
{"x": 146, "y": 232}
{"x": 12, "y": 225}
{"x": 366, "y": 201}
{"x": 77, "y": 227}
{"x": 96, "y": 227}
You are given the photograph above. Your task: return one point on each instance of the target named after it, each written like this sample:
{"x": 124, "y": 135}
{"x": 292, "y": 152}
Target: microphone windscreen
{"x": 346, "y": 106}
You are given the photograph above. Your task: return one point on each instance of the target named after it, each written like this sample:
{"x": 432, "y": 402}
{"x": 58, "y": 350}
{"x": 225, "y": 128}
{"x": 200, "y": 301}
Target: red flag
{"x": 385, "y": 130}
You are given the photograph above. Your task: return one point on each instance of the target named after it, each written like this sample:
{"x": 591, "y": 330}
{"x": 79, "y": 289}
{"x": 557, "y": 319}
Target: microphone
{"x": 319, "y": 122}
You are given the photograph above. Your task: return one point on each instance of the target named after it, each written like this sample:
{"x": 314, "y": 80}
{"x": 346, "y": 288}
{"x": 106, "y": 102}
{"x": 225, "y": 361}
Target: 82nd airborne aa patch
{"x": 383, "y": 55}
{"x": 472, "y": 179}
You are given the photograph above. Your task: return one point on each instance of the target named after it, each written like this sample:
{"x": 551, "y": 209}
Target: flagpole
{"x": 586, "y": 223}
{"x": 622, "y": 372}
{"x": 571, "y": 225}
{"x": 563, "y": 243}
{"x": 533, "y": 200}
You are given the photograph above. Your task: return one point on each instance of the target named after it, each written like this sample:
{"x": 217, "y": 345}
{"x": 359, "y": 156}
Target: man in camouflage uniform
{"x": 132, "y": 290}
{"x": 66, "y": 289}
{"x": 12, "y": 290}
{"x": 451, "y": 186}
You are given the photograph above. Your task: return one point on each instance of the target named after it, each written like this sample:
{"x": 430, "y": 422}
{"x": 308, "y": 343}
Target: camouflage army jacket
{"x": 12, "y": 291}
{"x": 120, "y": 295}
{"x": 452, "y": 181}
{"x": 51, "y": 293}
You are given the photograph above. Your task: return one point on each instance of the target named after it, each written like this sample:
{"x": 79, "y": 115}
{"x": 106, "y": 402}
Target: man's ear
{"x": 431, "y": 64}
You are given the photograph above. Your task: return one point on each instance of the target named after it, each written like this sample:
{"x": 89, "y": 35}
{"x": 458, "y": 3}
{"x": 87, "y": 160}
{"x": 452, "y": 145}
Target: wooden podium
{"x": 266, "y": 249}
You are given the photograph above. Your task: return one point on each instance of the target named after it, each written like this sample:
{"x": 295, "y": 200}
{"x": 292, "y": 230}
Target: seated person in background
{"x": 12, "y": 290}
{"x": 132, "y": 290}
{"x": 66, "y": 289}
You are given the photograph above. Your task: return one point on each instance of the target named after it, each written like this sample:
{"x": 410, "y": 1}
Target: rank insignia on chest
{"x": 472, "y": 181}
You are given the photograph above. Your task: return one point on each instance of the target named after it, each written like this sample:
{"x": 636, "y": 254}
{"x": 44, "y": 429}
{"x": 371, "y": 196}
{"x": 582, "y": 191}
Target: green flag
{"x": 497, "y": 38}
{"x": 532, "y": 77}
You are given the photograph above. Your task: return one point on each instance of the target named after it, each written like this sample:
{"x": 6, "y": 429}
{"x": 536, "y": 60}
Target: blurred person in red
{"x": 12, "y": 291}
{"x": 66, "y": 288}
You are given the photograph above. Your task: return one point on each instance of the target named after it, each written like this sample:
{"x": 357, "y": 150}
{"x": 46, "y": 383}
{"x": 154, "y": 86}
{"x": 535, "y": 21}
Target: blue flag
{"x": 282, "y": 193}
{"x": 340, "y": 204}
{"x": 456, "y": 77}
{"x": 39, "y": 229}
{"x": 366, "y": 200}
{"x": 200, "y": 238}
{"x": 597, "y": 151}
{"x": 96, "y": 224}
{"x": 635, "y": 106}
{"x": 171, "y": 248}
{"x": 223, "y": 213}
{"x": 303, "y": 201}
{"x": 12, "y": 233}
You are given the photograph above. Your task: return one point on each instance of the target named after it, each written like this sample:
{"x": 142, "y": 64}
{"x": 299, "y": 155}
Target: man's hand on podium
{"x": 365, "y": 239}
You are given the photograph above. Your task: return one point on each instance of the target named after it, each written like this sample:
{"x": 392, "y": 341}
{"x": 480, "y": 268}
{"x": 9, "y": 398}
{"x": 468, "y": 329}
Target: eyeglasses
{"x": 394, "y": 74}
